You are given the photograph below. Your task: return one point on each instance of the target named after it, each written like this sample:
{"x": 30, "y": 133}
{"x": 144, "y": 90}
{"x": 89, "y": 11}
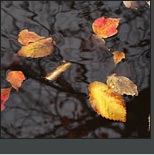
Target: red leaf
{"x": 105, "y": 27}
{"x": 15, "y": 78}
{"x": 5, "y": 93}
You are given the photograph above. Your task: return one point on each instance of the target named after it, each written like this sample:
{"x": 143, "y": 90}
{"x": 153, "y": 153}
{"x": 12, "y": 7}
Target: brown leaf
{"x": 131, "y": 4}
{"x": 15, "y": 78}
{"x": 105, "y": 27}
{"x": 58, "y": 71}
{"x": 106, "y": 103}
{"x": 25, "y": 37}
{"x": 118, "y": 56}
{"x": 122, "y": 85}
{"x": 5, "y": 93}
{"x": 41, "y": 48}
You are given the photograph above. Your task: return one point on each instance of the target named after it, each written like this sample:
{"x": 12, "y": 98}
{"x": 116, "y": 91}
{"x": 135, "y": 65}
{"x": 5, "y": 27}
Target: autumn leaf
{"x": 118, "y": 56}
{"x": 15, "y": 78}
{"x": 122, "y": 85}
{"x": 105, "y": 27}
{"x": 25, "y": 37}
{"x": 58, "y": 71}
{"x": 41, "y": 48}
{"x": 130, "y": 4}
{"x": 148, "y": 3}
{"x": 106, "y": 103}
{"x": 5, "y": 93}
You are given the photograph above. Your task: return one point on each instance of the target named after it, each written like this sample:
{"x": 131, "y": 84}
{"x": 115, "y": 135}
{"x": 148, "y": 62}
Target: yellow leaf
{"x": 25, "y": 37}
{"x": 58, "y": 71}
{"x": 15, "y": 78}
{"x": 106, "y": 103}
{"x": 122, "y": 85}
{"x": 118, "y": 56}
{"x": 41, "y": 48}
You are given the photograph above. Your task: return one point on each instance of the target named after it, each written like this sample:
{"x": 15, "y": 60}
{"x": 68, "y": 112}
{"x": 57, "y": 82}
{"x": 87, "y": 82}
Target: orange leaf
{"x": 122, "y": 85}
{"x": 105, "y": 27}
{"x": 41, "y": 48}
{"x": 58, "y": 71}
{"x": 107, "y": 103}
{"x": 5, "y": 93}
{"x": 118, "y": 56}
{"x": 15, "y": 78}
{"x": 130, "y": 4}
{"x": 25, "y": 37}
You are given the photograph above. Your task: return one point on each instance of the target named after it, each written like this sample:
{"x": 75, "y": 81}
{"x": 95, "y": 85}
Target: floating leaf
{"x": 131, "y": 4}
{"x": 15, "y": 78}
{"x": 105, "y": 27}
{"x": 58, "y": 71}
{"x": 118, "y": 56}
{"x": 121, "y": 85}
{"x": 41, "y": 48}
{"x": 5, "y": 93}
{"x": 25, "y": 37}
{"x": 107, "y": 103}
{"x": 148, "y": 3}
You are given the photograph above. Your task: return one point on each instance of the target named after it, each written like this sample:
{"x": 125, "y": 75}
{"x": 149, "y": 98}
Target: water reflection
{"x": 61, "y": 109}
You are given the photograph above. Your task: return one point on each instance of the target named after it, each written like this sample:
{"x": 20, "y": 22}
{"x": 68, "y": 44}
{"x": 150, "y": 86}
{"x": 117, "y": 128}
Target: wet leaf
{"x": 5, "y": 93}
{"x": 105, "y": 27}
{"x": 58, "y": 71}
{"x": 148, "y": 3}
{"x": 131, "y": 4}
{"x": 16, "y": 78}
{"x": 41, "y": 48}
{"x": 118, "y": 56}
{"x": 106, "y": 103}
{"x": 122, "y": 85}
{"x": 25, "y": 37}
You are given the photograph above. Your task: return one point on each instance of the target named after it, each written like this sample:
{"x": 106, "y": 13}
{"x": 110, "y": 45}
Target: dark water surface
{"x": 61, "y": 109}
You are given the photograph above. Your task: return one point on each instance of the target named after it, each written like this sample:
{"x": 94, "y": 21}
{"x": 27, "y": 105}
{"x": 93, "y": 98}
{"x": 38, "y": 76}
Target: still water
{"x": 61, "y": 109}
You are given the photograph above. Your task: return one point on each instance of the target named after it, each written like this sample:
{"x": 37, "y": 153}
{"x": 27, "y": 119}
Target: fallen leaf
{"x": 58, "y": 71}
{"x": 122, "y": 85}
{"x": 5, "y": 93}
{"x": 118, "y": 56}
{"x": 105, "y": 27}
{"x": 106, "y": 103}
{"x": 131, "y": 4}
{"x": 25, "y": 37}
{"x": 15, "y": 78}
{"x": 148, "y": 3}
{"x": 41, "y": 48}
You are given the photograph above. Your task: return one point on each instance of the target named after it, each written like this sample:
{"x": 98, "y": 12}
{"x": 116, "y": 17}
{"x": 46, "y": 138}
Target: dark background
{"x": 61, "y": 109}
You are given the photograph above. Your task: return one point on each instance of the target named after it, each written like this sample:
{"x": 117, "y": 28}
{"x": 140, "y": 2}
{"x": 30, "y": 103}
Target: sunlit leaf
{"x": 41, "y": 48}
{"x": 122, "y": 85}
{"x": 25, "y": 37}
{"x": 148, "y": 3}
{"x": 118, "y": 56}
{"x": 106, "y": 103}
{"x": 131, "y": 4}
{"x": 15, "y": 78}
{"x": 58, "y": 71}
{"x": 105, "y": 27}
{"x": 5, "y": 93}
